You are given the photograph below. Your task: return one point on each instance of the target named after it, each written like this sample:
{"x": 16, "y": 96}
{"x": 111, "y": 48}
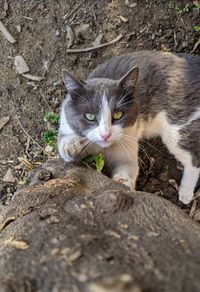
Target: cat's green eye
{"x": 90, "y": 117}
{"x": 117, "y": 115}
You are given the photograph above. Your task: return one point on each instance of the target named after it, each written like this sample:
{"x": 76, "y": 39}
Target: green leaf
{"x": 196, "y": 28}
{"x": 99, "y": 159}
{"x": 50, "y": 137}
{"x": 89, "y": 159}
{"x": 51, "y": 117}
{"x": 96, "y": 160}
{"x": 197, "y": 5}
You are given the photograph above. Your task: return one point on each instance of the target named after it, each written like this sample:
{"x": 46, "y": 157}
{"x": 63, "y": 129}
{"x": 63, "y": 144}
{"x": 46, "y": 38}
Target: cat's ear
{"x": 130, "y": 78}
{"x": 70, "y": 81}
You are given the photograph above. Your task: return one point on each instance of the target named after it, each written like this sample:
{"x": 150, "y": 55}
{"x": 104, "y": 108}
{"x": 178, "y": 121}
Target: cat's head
{"x": 101, "y": 108}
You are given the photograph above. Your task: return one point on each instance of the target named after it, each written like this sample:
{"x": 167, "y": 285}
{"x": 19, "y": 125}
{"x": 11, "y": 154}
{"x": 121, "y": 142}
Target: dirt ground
{"x": 44, "y": 30}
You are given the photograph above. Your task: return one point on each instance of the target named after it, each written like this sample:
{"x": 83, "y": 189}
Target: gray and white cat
{"x": 131, "y": 97}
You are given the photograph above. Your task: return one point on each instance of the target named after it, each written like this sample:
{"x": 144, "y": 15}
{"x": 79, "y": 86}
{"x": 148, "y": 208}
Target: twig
{"x": 27, "y": 134}
{"x": 74, "y": 16}
{"x": 33, "y": 77}
{"x": 27, "y": 146}
{"x": 196, "y": 46}
{"x": 44, "y": 97}
{"x": 68, "y": 15}
{"x": 175, "y": 40}
{"x": 193, "y": 208}
{"x": 118, "y": 38}
{"x": 4, "y": 121}
{"x": 197, "y": 194}
{"x": 6, "y": 33}
{"x": 28, "y": 18}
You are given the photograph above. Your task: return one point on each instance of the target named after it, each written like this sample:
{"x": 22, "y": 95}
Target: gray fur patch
{"x": 167, "y": 82}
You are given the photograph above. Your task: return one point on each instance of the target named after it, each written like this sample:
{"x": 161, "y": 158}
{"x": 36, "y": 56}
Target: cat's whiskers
{"x": 136, "y": 157}
{"x": 123, "y": 96}
{"x": 82, "y": 146}
{"x": 141, "y": 140}
{"x": 125, "y": 103}
{"x": 125, "y": 149}
{"x": 142, "y": 149}
{"x": 87, "y": 146}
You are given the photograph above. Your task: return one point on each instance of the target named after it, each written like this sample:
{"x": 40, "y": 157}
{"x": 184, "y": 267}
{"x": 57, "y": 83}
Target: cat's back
{"x": 149, "y": 62}
{"x": 167, "y": 81}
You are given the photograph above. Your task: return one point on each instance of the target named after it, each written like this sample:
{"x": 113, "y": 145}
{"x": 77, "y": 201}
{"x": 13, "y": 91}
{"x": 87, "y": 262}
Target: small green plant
{"x": 183, "y": 8}
{"x": 196, "y": 28}
{"x": 96, "y": 160}
{"x": 51, "y": 118}
{"x": 50, "y": 138}
{"x": 171, "y": 5}
{"x": 50, "y": 135}
{"x": 197, "y": 5}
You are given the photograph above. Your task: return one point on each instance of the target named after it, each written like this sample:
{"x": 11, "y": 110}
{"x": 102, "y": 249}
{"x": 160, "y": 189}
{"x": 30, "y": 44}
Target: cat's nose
{"x": 105, "y": 136}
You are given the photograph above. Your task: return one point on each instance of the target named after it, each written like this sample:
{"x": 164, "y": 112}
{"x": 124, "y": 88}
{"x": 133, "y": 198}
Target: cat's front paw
{"x": 74, "y": 149}
{"x": 124, "y": 180}
{"x": 185, "y": 195}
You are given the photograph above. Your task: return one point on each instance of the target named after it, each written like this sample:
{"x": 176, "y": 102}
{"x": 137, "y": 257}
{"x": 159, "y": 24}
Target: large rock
{"x": 74, "y": 229}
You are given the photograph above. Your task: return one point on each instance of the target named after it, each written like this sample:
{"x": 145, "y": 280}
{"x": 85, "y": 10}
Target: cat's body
{"x": 163, "y": 101}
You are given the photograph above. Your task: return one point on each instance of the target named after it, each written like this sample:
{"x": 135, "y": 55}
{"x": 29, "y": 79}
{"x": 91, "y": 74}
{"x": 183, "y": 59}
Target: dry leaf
{"x": 70, "y": 36}
{"x": 193, "y": 208}
{"x": 25, "y": 163}
{"x": 33, "y": 77}
{"x": 196, "y": 46}
{"x": 131, "y": 5}
{"x": 124, "y": 19}
{"x": 7, "y": 222}
{"x": 74, "y": 256}
{"x": 9, "y": 177}
{"x": 3, "y": 121}
{"x": 5, "y": 6}
{"x": 98, "y": 39}
{"x": 20, "y": 64}
{"x": 173, "y": 183}
{"x": 49, "y": 149}
{"x": 19, "y": 28}
{"x": 196, "y": 215}
{"x": 112, "y": 233}
{"x": 19, "y": 244}
{"x": 6, "y": 33}
{"x": 81, "y": 28}
{"x": 197, "y": 194}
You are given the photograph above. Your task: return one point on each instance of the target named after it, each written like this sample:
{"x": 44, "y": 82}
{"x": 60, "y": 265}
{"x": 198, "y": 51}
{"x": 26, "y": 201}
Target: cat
{"x": 131, "y": 97}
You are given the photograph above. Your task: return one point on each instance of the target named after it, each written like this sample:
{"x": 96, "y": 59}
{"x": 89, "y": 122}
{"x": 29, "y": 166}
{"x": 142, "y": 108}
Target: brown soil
{"x": 43, "y": 42}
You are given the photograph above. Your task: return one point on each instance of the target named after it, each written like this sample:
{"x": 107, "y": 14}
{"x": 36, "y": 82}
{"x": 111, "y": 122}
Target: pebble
{"x": 9, "y": 177}
{"x": 20, "y": 65}
{"x": 57, "y": 33}
{"x": 131, "y": 5}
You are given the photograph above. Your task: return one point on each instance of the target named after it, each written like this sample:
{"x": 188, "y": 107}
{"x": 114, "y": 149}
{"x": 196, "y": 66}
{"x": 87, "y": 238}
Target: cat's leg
{"x": 188, "y": 183}
{"x": 126, "y": 174}
{"x": 123, "y": 163}
{"x": 185, "y": 145}
{"x": 190, "y": 143}
{"x": 75, "y": 148}
{"x": 68, "y": 146}
{"x": 190, "y": 174}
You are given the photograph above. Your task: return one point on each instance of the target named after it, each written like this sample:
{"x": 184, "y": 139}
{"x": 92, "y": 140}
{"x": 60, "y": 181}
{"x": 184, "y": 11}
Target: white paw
{"x": 124, "y": 180}
{"x": 74, "y": 149}
{"x": 185, "y": 195}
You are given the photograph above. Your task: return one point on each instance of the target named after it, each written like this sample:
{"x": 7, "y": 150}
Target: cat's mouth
{"x": 104, "y": 144}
